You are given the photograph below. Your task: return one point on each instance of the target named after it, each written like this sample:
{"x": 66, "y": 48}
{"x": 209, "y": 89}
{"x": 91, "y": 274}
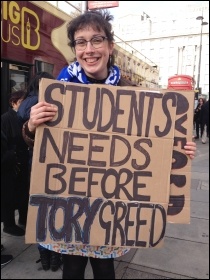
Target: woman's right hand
{"x": 40, "y": 113}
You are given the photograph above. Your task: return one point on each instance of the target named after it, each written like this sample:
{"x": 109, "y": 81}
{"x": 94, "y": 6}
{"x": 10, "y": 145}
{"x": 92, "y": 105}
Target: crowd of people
{"x": 91, "y": 37}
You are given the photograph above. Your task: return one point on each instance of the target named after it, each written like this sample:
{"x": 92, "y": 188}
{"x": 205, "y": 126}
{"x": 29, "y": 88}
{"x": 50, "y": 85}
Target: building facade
{"x": 134, "y": 66}
{"x": 172, "y": 42}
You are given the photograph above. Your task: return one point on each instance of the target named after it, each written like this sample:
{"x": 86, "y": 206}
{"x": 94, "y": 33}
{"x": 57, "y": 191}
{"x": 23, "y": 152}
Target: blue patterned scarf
{"x": 74, "y": 73}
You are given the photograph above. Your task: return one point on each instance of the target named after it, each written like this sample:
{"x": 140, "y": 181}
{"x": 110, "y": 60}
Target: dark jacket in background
{"x": 204, "y": 116}
{"x": 8, "y": 163}
{"x": 23, "y": 114}
{"x": 197, "y": 113}
{"x": 14, "y": 165}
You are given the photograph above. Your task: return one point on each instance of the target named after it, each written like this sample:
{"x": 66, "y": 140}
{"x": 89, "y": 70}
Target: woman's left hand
{"x": 190, "y": 149}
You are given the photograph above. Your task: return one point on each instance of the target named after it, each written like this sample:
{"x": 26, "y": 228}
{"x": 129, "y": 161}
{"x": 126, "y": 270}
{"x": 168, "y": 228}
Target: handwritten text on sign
{"x": 101, "y": 169}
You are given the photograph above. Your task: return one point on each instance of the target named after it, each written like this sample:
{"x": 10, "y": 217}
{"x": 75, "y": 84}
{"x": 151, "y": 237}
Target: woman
{"x": 197, "y": 119}
{"x": 14, "y": 181}
{"x": 48, "y": 259}
{"x": 6, "y": 155}
{"x": 91, "y": 38}
{"x": 31, "y": 95}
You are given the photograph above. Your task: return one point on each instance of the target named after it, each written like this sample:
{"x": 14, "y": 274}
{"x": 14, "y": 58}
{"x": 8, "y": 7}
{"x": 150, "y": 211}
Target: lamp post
{"x": 199, "y": 63}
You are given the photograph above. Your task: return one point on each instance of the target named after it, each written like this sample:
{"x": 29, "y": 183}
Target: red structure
{"x": 92, "y": 5}
{"x": 181, "y": 82}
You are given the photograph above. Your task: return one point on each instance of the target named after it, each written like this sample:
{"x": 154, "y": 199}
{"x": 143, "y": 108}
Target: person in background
{"x": 90, "y": 36}
{"x": 197, "y": 119}
{"x": 204, "y": 119}
{"x": 31, "y": 96}
{"x": 7, "y": 158}
{"x": 12, "y": 86}
{"x": 48, "y": 259}
{"x": 14, "y": 180}
{"x": 23, "y": 86}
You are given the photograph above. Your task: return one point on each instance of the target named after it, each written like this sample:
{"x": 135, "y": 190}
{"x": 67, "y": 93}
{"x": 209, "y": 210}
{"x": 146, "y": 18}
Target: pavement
{"x": 184, "y": 255}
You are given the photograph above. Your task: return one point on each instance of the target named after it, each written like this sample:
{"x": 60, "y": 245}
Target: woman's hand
{"x": 40, "y": 113}
{"x": 190, "y": 149}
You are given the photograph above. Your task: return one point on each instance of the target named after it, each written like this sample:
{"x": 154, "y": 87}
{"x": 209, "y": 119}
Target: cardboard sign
{"x": 110, "y": 168}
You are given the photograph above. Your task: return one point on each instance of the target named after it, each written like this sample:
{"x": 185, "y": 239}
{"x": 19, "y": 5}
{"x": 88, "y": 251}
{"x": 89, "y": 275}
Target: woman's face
{"x": 201, "y": 101}
{"x": 93, "y": 61}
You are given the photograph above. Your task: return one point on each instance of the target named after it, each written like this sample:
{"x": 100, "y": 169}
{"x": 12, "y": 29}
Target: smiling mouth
{"x": 91, "y": 60}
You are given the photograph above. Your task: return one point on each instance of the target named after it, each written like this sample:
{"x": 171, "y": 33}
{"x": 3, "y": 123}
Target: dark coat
{"x": 204, "y": 114}
{"x": 12, "y": 128}
{"x": 8, "y": 163}
{"x": 14, "y": 164}
{"x": 197, "y": 113}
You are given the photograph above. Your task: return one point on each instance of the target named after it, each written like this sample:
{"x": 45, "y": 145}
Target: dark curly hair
{"x": 34, "y": 82}
{"x": 98, "y": 20}
{"x": 15, "y": 96}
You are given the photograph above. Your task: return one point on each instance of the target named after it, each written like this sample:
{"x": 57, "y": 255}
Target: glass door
{"x": 14, "y": 76}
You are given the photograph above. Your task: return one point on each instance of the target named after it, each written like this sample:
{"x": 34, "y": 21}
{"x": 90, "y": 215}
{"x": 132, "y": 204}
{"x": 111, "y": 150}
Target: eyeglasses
{"x": 96, "y": 42}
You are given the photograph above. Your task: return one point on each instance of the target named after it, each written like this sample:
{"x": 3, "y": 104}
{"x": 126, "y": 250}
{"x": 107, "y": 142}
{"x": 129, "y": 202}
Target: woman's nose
{"x": 89, "y": 47}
